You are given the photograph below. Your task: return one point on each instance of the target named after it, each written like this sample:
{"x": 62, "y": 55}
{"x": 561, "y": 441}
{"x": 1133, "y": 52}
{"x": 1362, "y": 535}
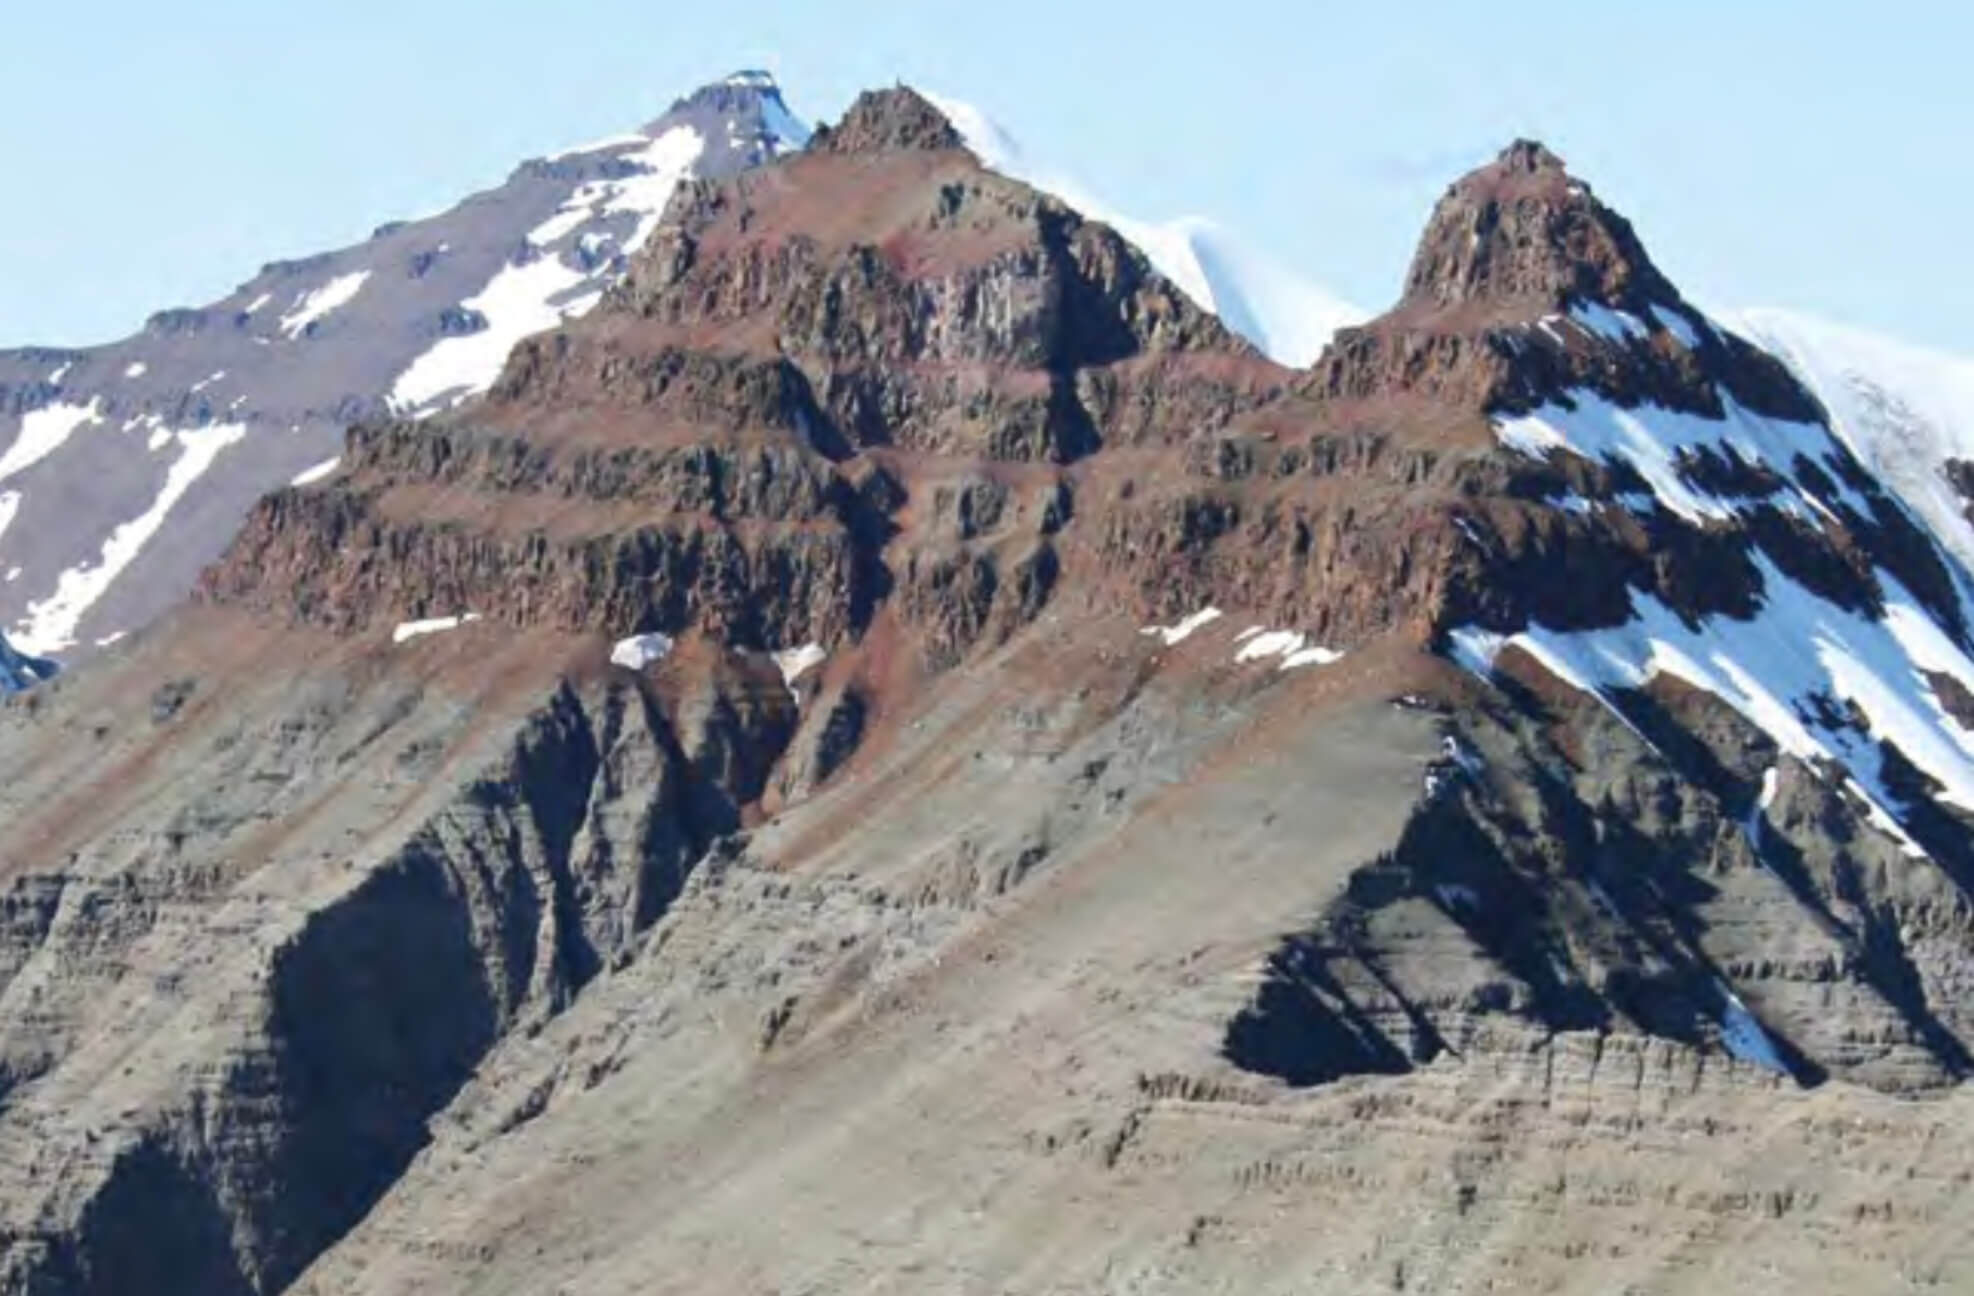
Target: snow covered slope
{"x": 125, "y": 468}
{"x": 1288, "y": 316}
{"x": 1906, "y": 411}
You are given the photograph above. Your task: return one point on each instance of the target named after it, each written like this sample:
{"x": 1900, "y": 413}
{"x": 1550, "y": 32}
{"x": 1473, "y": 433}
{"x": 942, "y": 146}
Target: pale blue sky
{"x": 1807, "y": 154}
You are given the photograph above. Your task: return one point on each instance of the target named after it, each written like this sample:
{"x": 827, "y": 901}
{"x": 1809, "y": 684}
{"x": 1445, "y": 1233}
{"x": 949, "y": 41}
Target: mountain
{"x": 1285, "y": 314}
{"x": 1906, "y": 411}
{"x": 128, "y": 466}
{"x": 898, "y": 751}
{"x": 18, "y": 671}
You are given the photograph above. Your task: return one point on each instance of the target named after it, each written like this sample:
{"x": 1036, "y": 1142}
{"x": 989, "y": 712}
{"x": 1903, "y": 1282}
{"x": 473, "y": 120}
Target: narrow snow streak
{"x": 522, "y": 300}
{"x": 1655, "y": 442}
{"x": 409, "y": 630}
{"x": 318, "y": 472}
{"x": 1744, "y": 1038}
{"x": 1179, "y": 633}
{"x": 51, "y": 623}
{"x": 332, "y": 296}
{"x": 1292, "y": 646}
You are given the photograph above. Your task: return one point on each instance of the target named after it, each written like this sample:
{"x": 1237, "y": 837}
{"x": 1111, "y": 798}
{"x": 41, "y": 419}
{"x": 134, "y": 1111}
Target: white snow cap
{"x": 1289, "y": 317}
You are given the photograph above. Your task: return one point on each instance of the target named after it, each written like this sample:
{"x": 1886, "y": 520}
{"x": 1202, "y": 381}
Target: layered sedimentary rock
{"x": 898, "y": 754}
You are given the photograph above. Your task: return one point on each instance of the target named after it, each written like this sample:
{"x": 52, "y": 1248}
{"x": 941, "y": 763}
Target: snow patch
{"x": 42, "y": 433}
{"x": 787, "y": 133}
{"x": 332, "y": 296}
{"x": 640, "y": 651}
{"x": 1789, "y": 670}
{"x": 10, "y": 504}
{"x": 1677, "y": 324}
{"x": 1455, "y": 895}
{"x": 1292, "y": 646}
{"x": 795, "y": 662}
{"x": 136, "y": 370}
{"x": 256, "y": 303}
{"x": 1657, "y": 441}
{"x": 517, "y": 303}
{"x": 1183, "y": 630}
{"x": 317, "y": 473}
{"x": 409, "y": 630}
{"x": 1617, "y": 326}
{"x": 1744, "y": 1038}
{"x": 522, "y": 300}
{"x": 50, "y": 624}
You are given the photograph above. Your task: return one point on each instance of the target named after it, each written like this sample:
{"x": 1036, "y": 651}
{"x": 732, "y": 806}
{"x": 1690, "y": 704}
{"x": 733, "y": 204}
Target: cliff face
{"x": 897, "y": 752}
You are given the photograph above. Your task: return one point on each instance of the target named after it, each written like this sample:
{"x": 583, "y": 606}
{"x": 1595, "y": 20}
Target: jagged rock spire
{"x": 1523, "y": 230}
{"x": 884, "y": 120}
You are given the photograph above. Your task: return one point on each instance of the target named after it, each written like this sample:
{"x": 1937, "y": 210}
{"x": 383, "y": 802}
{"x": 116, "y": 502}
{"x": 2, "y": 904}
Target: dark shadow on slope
{"x": 1302, "y": 1028}
{"x": 154, "y": 1228}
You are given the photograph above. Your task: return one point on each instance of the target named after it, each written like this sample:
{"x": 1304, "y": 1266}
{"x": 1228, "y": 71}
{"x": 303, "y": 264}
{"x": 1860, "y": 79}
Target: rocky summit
{"x": 896, "y": 753}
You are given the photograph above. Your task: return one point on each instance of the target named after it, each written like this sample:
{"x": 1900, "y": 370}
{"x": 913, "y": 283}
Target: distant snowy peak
{"x": 1905, "y": 411}
{"x": 124, "y": 468}
{"x": 567, "y": 261}
{"x": 1289, "y": 317}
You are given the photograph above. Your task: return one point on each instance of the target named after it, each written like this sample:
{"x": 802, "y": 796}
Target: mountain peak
{"x": 1522, "y": 231}
{"x": 1529, "y": 157}
{"x": 887, "y": 120}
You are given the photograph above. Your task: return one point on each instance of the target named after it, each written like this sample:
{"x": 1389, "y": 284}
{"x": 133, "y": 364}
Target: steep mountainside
{"x": 128, "y": 466}
{"x": 1286, "y": 315}
{"x": 898, "y": 753}
{"x": 1907, "y": 412}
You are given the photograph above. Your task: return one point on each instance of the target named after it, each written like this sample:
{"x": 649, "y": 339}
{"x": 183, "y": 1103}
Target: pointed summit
{"x": 1521, "y": 231}
{"x": 1525, "y": 287}
{"x": 887, "y": 120}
